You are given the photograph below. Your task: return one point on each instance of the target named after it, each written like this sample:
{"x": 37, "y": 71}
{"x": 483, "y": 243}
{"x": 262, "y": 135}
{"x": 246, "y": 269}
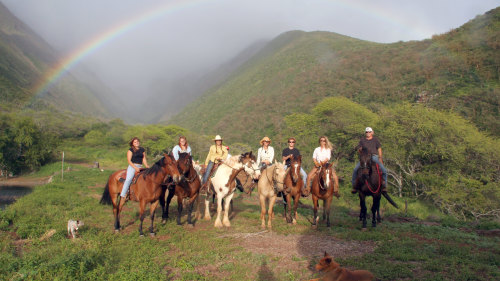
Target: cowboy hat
{"x": 217, "y": 137}
{"x": 265, "y": 139}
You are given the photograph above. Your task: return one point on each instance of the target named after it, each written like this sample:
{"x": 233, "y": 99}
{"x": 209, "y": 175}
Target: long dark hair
{"x": 131, "y": 142}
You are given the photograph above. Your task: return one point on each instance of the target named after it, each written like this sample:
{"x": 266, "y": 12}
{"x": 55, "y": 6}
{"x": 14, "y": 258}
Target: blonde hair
{"x": 328, "y": 143}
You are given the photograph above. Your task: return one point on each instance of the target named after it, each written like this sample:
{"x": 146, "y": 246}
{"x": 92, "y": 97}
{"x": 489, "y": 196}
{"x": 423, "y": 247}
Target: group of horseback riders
{"x": 136, "y": 158}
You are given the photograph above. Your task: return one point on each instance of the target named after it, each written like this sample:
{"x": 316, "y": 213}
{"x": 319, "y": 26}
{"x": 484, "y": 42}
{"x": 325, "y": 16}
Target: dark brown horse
{"x": 369, "y": 183}
{"x": 188, "y": 187}
{"x": 324, "y": 186}
{"x": 146, "y": 189}
{"x": 293, "y": 189}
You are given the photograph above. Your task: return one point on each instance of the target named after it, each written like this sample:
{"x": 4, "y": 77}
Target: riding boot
{"x": 384, "y": 186}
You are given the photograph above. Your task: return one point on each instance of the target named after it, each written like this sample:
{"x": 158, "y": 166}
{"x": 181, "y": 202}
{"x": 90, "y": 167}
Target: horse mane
{"x": 233, "y": 160}
{"x": 155, "y": 168}
{"x": 183, "y": 155}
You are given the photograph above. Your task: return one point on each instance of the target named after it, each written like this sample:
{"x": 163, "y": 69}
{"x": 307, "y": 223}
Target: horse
{"x": 324, "y": 186}
{"x": 368, "y": 183}
{"x": 270, "y": 182}
{"x": 293, "y": 189}
{"x": 223, "y": 183}
{"x": 146, "y": 189}
{"x": 187, "y": 187}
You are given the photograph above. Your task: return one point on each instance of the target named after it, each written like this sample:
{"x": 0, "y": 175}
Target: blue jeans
{"x": 302, "y": 173}
{"x": 128, "y": 179}
{"x": 374, "y": 159}
{"x": 207, "y": 172}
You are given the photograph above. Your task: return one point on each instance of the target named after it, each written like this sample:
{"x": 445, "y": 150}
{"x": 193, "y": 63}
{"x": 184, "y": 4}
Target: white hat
{"x": 368, "y": 129}
{"x": 217, "y": 137}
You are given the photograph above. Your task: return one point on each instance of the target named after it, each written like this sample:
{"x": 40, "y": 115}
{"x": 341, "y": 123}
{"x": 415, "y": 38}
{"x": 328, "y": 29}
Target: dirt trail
{"x": 25, "y": 182}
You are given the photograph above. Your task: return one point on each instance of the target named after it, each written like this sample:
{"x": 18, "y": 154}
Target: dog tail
{"x": 390, "y": 199}
{"x": 106, "y": 196}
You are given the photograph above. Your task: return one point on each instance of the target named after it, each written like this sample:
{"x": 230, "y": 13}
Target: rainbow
{"x": 58, "y": 70}
{"x": 61, "y": 68}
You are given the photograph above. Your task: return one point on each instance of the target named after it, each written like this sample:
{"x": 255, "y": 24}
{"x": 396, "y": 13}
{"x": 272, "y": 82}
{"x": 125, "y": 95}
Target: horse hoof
{"x": 314, "y": 226}
{"x": 294, "y": 222}
{"x": 374, "y": 225}
{"x": 141, "y": 235}
{"x": 190, "y": 225}
{"x": 364, "y": 229}
{"x": 117, "y": 230}
{"x": 163, "y": 221}
{"x": 152, "y": 234}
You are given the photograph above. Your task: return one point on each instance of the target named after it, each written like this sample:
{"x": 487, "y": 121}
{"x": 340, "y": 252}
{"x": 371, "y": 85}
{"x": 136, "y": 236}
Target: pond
{"x": 9, "y": 194}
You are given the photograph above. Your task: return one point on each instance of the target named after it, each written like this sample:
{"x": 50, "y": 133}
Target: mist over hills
{"x": 457, "y": 71}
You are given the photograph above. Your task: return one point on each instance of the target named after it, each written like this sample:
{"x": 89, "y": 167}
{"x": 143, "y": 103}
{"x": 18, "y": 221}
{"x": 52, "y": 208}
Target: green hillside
{"x": 24, "y": 59}
{"x": 457, "y": 72}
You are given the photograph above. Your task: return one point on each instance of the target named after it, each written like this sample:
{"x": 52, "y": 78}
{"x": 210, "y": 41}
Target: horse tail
{"x": 390, "y": 199}
{"x": 106, "y": 196}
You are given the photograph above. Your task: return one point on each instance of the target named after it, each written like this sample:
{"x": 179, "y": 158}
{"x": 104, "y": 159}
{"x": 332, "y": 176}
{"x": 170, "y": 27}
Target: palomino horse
{"x": 270, "y": 182}
{"x": 146, "y": 189}
{"x": 223, "y": 183}
{"x": 324, "y": 185}
{"x": 368, "y": 183}
{"x": 293, "y": 189}
{"x": 188, "y": 187}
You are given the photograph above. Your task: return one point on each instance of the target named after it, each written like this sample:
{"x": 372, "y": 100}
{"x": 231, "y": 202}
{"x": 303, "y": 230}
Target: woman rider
{"x": 216, "y": 153}
{"x": 136, "y": 157}
{"x": 265, "y": 155}
{"x": 181, "y": 147}
{"x": 321, "y": 154}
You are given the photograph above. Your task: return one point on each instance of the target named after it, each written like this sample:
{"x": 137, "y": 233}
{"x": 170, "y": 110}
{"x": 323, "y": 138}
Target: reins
{"x": 379, "y": 182}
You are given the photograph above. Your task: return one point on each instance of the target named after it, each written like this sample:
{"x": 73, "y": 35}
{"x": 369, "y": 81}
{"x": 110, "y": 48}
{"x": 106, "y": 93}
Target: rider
{"x": 136, "y": 156}
{"x": 287, "y": 154}
{"x": 217, "y": 153}
{"x": 321, "y": 154}
{"x": 265, "y": 154}
{"x": 372, "y": 144}
{"x": 181, "y": 147}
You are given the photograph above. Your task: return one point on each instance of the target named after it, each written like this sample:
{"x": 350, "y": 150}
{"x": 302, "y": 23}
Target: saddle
{"x": 121, "y": 177}
{"x": 207, "y": 187}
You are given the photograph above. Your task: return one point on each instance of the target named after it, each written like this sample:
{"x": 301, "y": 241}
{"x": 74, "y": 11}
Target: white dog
{"x": 73, "y": 227}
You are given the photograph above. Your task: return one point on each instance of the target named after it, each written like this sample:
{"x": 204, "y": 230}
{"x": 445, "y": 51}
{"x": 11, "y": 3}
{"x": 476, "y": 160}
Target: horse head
{"x": 170, "y": 168}
{"x": 279, "y": 174}
{"x": 294, "y": 169}
{"x": 365, "y": 163}
{"x": 249, "y": 164}
{"x": 184, "y": 164}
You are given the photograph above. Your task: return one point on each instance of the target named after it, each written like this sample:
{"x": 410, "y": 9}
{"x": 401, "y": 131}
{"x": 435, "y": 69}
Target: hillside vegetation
{"x": 457, "y": 71}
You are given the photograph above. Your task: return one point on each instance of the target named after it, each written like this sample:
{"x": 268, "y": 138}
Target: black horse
{"x": 369, "y": 183}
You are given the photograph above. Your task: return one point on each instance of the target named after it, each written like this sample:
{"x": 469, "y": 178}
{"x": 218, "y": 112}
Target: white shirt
{"x": 322, "y": 155}
{"x": 265, "y": 155}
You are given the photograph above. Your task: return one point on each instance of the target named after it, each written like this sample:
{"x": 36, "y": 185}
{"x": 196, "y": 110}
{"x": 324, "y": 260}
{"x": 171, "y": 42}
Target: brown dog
{"x": 336, "y": 273}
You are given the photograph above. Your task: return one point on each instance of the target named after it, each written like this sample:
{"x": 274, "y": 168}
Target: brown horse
{"x": 324, "y": 185}
{"x": 369, "y": 182}
{"x": 146, "y": 189}
{"x": 188, "y": 187}
{"x": 293, "y": 189}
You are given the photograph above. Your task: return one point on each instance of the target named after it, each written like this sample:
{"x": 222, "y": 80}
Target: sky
{"x": 151, "y": 40}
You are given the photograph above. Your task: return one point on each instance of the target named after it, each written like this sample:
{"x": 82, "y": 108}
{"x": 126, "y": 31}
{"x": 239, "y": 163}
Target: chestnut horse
{"x": 368, "y": 183}
{"x": 293, "y": 189}
{"x": 325, "y": 185}
{"x": 146, "y": 189}
{"x": 188, "y": 187}
{"x": 270, "y": 182}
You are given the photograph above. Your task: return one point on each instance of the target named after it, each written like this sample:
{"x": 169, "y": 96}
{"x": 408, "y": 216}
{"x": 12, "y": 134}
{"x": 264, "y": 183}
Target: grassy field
{"x": 419, "y": 244}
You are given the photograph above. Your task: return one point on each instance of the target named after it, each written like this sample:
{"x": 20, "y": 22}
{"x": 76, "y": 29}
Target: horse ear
{"x": 326, "y": 255}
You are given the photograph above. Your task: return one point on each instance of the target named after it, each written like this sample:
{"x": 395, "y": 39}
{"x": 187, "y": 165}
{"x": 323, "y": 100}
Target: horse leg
{"x": 191, "y": 203}
{"x": 375, "y": 207}
{"x": 295, "y": 206}
{"x": 362, "y": 204}
{"x": 152, "y": 216}
{"x": 271, "y": 211}
{"x": 142, "y": 206}
{"x": 315, "y": 211}
{"x": 326, "y": 206}
{"x": 285, "y": 203}
{"x": 218, "y": 222}
{"x": 164, "y": 213}
{"x": 288, "y": 208}
{"x": 179, "y": 209}
{"x": 207, "y": 216}
{"x": 262, "y": 200}
{"x": 167, "y": 206}
{"x": 116, "y": 212}
{"x": 225, "y": 221}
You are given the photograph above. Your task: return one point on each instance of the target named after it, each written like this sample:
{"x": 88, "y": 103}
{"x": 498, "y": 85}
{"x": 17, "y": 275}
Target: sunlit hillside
{"x": 456, "y": 71}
